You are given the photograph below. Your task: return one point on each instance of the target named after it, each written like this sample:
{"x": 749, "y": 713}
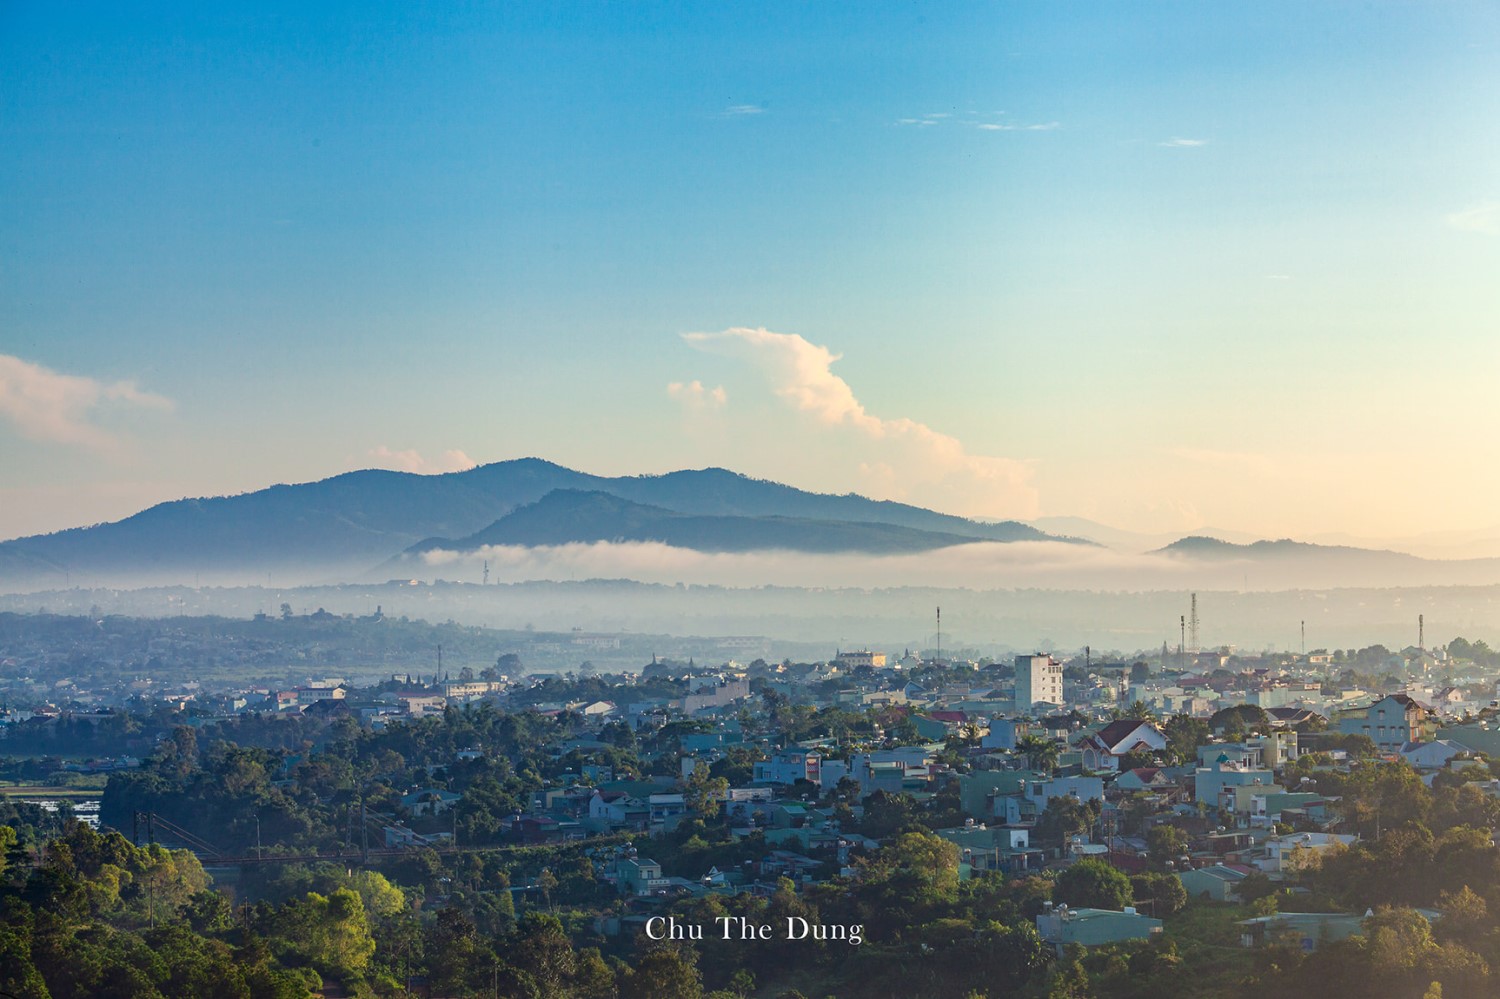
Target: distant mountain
{"x": 571, "y": 515}
{"x": 342, "y": 526}
{"x": 1284, "y": 550}
{"x": 1124, "y": 540}
{"x": 1298, "y": 563}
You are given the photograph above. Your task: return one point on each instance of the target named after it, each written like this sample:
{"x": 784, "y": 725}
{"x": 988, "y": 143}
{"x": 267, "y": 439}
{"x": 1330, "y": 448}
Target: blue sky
{"x": 1164, "y": 265}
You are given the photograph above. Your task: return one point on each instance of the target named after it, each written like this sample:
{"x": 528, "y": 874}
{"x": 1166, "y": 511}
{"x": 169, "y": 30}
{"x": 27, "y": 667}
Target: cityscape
{"x": 685, "y": 500}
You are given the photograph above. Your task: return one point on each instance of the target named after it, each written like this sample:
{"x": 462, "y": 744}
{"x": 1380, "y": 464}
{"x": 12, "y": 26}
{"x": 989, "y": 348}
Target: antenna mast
{"x": 940, "y": 633}
{"x": 486, "y": 572}
{"x": 1193, "y": 645}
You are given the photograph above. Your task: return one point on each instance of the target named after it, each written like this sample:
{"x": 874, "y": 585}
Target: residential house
{"x": 1102, "y": 749}
{"x": 429, "y": 801}
{"x": 1392, "y": 722}
{"x": 788, "y": 767}
{"x": 1060, "y": 926}
{"x": 1286, "y": 854}
{"x": 1216, "y": 883}
{"x": 1432, "y": 755}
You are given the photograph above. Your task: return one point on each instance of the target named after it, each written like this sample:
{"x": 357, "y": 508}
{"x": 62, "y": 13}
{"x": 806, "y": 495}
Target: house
{"x": 1031, "y": 798}
{"x": 1267, "y": 809}
{"x": 1432, "y": 755}
{"x": 993, "y": 848}
{"x": 1285, "y": 854}
{"x": 1210, "y": 783}
{"x": 1059, "y": 926}
{"x": 788, "y": 767}
{"x": 1307, "y": 930}
{"x": 1216, "y": 883}
{"x": 639, "y": 876}
{"x": 1293, "y": 717}
{"x": 1102, "y": 749}
{"x": 666, "y": 809}
{"x": 617, "y": 810}
{"x": 1003, "y": 734}
{"x": 1143, "y": 779}
{"x": 429, "y": 801}
{"x": 1392, "y": 722}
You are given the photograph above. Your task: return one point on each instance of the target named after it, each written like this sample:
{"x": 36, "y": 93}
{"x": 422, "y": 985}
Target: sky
{"x": 1166, "y": 266}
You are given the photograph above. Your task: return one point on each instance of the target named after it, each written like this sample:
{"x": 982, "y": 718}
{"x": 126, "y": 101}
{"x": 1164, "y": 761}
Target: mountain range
{"x": 544, "y": 521}
{"x": 344, "y": 526}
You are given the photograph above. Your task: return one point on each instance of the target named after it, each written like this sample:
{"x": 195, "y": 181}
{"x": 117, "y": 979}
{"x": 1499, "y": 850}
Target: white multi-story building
{"x": 1039, "y": 680}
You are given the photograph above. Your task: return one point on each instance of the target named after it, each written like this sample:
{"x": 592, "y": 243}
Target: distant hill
{"x": 570, "y": 515}
{"x": 342, "y": 526}
{"x": 1300, "y": 563}
{"x": 1284, "y": 550}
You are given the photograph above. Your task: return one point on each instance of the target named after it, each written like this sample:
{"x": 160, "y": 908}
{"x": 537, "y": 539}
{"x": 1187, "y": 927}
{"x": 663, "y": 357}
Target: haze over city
{"x": 1168, "y": 267}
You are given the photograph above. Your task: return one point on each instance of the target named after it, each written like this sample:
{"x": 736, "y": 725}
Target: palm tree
{"x": 1040, "y": 752}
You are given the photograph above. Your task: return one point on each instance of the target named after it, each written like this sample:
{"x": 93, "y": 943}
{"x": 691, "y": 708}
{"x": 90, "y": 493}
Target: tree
{"x": 1184, "y": 735}
{"x": 1040, "y": 752}
{"x": 1093, "y": 884}
{"x": 1064, "y": 816}
{"x": 331, "y": 932}
{"x": 704, "y": 793}
{"x": 1163, "y": 893}
{"x": 1164, "y": 844}
{"x": 664, "y": 973}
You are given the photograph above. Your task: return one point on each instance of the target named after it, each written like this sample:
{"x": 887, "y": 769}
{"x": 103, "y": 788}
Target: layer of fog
{"x": 982, "y": 565}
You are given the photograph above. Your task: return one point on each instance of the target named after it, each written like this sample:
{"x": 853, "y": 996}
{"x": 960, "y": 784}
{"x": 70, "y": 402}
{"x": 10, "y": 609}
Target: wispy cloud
{"x": 413, "y": 461}
{"x": 991, "y": 121}
{"x": 1482, "y": 218}
{"x": 893, "y": 456}
{"x": 741, "y": 110}
{"x": 66, "y": 409}
{"x": 694, "y": 396}
{"x": 1177, "y": 142}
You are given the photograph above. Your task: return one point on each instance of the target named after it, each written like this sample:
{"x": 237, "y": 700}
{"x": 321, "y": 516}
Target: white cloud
{"x": 741, "y": 110}
{"x": 898, "y": 457}
{"x": 1483, "y": 218}
{"x": 982, "y": 122}
{"x": 979, "y": 565}
{"x": 694, "y": 396}
{"x": 412, "y": 461}
{"x": 64, "y": 409}
{"x": 1180, "y": 143}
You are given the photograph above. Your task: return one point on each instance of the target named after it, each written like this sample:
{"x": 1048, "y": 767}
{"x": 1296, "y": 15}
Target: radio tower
{"x": 486, "y": 572}
{"x": 1193, "y": 645}
{"x": 1421, "y": 633}
{"x": 939, "y": 656}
